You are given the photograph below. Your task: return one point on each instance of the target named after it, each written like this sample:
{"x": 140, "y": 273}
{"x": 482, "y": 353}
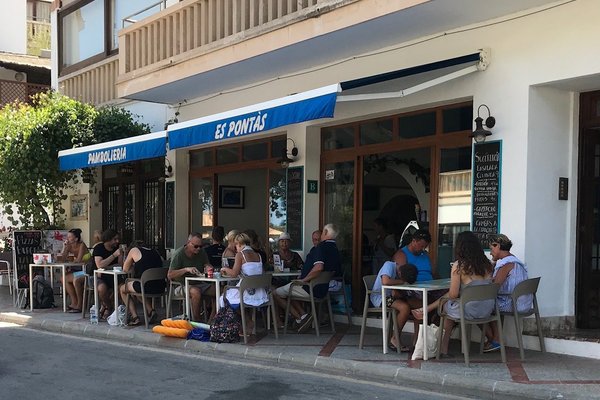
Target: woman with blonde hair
{"x": 228, "y": 257}
{"x": 247, "y": 262}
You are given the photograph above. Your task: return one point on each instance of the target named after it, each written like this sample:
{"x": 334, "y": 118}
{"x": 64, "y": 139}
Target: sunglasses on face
{"x": 196, "y": 246}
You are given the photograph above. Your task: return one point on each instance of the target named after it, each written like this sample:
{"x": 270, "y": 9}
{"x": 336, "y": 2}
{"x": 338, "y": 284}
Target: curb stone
{"x": 407, "y": 377}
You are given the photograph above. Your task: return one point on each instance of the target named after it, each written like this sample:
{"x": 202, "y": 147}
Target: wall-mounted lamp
{"x": 168, "y": 168}
{"x": 285, "y": 160}
{"x": 479, "y": 134}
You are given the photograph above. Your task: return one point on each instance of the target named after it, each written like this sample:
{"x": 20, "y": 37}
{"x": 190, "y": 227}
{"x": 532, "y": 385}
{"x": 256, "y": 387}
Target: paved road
{"x": 38, "y": 365}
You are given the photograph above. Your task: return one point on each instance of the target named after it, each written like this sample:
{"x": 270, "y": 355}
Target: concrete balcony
{"x": 197, "y": 48}
{"x": 95, "y": 84}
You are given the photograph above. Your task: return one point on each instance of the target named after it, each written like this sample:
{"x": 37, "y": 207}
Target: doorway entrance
{"x": 133, "y": 201}
{"x": 395, "y": 169}
{"x": 588, "y": 219}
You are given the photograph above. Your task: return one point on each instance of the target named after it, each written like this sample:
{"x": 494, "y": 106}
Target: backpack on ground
{"x": 226, "y": 326}
{"x": 43, "y": 295}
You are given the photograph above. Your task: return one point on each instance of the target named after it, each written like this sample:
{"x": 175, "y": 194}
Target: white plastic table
{"x": 60, "y": 265}
{"x": 216, "y": 281}
{"x": 423, "y": 287}
{"x": 115, "y": 275}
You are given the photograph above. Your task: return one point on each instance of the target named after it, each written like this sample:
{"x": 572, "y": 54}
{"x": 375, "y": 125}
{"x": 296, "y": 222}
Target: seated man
{"x": 414, "y": 253}
{"x": 324, "y": 257}
{"x": 393, "y": 274}
{"x": 184, "y": 263}
{"x": 509, "y": 271}
{"x": 216, "y": 249}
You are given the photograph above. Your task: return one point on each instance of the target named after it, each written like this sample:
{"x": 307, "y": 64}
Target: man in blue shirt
{"x": 324, "y": 257}
{"x": 414, "y": 253}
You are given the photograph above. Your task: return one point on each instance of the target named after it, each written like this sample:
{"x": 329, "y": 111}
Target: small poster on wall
{"x": 79, "y": 207}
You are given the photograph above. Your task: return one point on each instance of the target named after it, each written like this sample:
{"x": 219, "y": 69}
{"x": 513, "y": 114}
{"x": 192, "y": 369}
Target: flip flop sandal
{"x": 105, "y": 314}
{"x": 73, "y": 311}
{"x": 153, "y": 317}
{"x": 134, "y": 322}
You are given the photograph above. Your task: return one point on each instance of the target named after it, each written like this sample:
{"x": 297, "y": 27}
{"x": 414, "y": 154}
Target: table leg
{"x": 96, "y": 301}
{"x": 116, "y": 290}
{"x": 425, "y": 324}
{"x": 187, "y": 299}
{"x": 384, "y": 321}
{"x": 30, "y": 288}
{"x": 64, "y": 290}
{"x": 217, "y": 294}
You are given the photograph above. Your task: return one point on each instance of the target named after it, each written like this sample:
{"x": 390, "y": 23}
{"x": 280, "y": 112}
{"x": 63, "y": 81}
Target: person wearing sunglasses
{"x": 185, "y": 262}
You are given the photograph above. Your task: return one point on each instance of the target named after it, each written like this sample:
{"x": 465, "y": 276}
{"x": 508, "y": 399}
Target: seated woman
{"x": 470, "y": 268}
{"x": 107, "y": 255}
{"x": 74, "y": 280}
{"x": 228, "y": 257}
{"x": 509, "y": 271}
{"x": 289, "y": 258}
{"x": 247, "y": 262}
{"x": 139, "y": 259}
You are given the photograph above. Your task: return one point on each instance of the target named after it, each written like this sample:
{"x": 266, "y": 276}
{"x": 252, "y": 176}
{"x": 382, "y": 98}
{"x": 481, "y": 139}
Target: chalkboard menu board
{"x": 169, "y": 215}
{"x": 487, "y": 159}
{"x": 25, "y": 243}
{"x": 295, "y": 189}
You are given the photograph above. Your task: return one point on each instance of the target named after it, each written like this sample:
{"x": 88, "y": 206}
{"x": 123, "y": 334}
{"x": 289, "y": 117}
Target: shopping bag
{"x": 432, "y": 343}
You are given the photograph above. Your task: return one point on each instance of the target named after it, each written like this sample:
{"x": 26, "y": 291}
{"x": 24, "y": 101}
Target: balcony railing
{"x": 455, "y": 183}
{"x": 11, "y": 91}
{"x": 38, "y": 37}
{"x": 95, "y": 84}
{"x": 194, "y": 24}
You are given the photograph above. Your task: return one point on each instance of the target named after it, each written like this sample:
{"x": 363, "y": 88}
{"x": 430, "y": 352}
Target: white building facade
{"x": 380, "y": 156}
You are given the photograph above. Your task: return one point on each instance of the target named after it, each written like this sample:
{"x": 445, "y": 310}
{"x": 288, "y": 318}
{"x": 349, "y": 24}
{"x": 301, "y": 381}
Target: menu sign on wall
{"x": 25, "y": 243}
{"x": 295, "y": 188}
{"x": 487, "y": 158}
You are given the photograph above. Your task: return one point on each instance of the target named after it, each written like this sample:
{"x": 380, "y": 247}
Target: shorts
{"x": 180, "y": 290}
{"x": 78, "y": 274}
{"x": 153, "y": 287}
{"x": 297, "y": 291}
{"x": 432, "y": 295}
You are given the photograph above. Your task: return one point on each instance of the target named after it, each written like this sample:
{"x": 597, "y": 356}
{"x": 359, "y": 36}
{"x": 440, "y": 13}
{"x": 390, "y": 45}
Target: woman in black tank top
{"x": 139, "y": 259}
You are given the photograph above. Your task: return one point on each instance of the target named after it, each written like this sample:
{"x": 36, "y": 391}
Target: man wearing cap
{"x": 509, "y": 271}
{"x": 289, "y": 259}
{"x": 324, "y": 257}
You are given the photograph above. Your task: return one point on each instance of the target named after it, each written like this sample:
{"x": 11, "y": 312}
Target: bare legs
{"x": 296, "y": 309}
{"x": 196, "y": 300}
{"x": 128, "y": 287}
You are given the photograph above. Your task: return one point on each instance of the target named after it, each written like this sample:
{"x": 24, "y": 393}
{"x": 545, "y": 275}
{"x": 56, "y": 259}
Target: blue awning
{"x": 117, "y": 151}
{"x": 300, "y": 107}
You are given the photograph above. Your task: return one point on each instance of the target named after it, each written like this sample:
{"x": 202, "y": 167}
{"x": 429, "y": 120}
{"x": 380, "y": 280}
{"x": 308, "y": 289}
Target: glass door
{"x": 339, "y": 208}
{"x": 202, "y": 212}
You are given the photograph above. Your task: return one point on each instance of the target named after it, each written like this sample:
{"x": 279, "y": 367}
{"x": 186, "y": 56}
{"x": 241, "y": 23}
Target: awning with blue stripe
{"x": 134, "y": 148}
{"x": 260, "y": 117}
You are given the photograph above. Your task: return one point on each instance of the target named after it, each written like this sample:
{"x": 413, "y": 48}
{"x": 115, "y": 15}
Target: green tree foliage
{"x": 30, "y": 138}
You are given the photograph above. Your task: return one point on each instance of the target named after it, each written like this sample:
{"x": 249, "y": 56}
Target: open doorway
{"x": 395, "y": 192}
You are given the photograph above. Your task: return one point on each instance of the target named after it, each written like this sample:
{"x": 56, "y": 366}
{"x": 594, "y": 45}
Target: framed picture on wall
{"x": 79, "y": 207}
{"x": 231, "y": 196}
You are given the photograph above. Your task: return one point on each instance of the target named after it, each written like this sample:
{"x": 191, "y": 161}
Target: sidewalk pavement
{"x": 540, "y": 376}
